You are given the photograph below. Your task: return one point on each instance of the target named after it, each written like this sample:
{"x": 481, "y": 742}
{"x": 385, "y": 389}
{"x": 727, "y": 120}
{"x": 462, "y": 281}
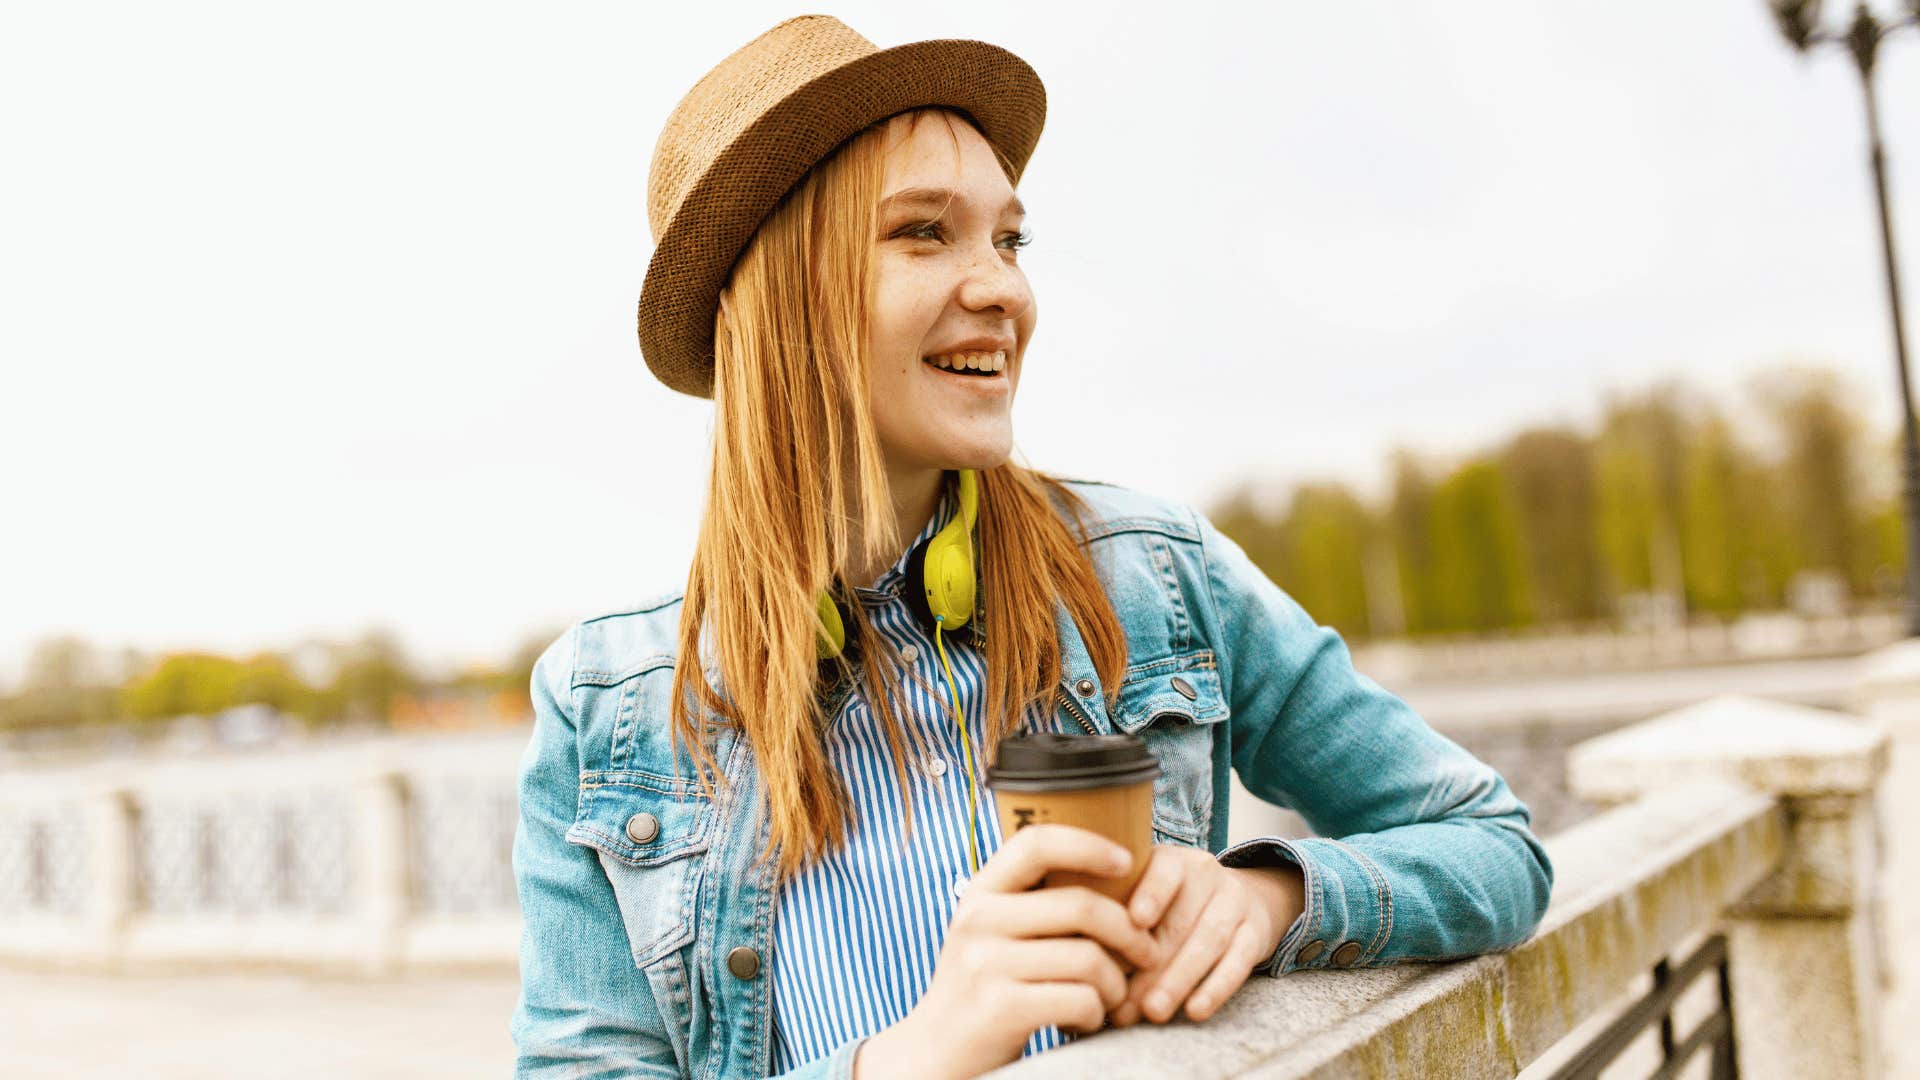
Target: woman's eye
{"x": 937, "y": 232}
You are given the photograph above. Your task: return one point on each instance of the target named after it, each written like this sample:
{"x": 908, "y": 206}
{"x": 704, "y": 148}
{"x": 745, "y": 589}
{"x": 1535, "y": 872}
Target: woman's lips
{"x": 996, "y": 382}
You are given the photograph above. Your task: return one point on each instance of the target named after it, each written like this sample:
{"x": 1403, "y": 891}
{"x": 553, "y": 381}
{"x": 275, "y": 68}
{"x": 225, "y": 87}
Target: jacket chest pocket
{"x": 1176, "y": 706}
{"x": 651, "y": 834}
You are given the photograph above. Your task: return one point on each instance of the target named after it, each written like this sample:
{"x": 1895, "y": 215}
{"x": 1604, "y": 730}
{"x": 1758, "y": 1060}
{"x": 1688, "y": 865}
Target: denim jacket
{"x": 648, "y": 926}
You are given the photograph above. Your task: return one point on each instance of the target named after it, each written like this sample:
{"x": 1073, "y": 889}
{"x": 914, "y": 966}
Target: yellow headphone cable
{"x": 966, "y": 744}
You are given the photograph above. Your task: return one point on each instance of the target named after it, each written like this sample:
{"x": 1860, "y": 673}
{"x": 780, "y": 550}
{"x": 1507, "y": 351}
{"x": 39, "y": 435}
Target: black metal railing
{"x": 1657, "y": 1007}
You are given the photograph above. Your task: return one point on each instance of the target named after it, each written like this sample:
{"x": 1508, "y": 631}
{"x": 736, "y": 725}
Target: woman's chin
{"x": 979, "y": 460}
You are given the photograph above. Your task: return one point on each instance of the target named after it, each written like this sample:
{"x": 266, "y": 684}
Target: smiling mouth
{"x": 978, "y": 365}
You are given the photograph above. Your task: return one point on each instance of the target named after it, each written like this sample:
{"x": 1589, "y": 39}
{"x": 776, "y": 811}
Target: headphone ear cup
{"x": 915, "y": 590}
{"x": 950, "y": 579}
{"x": 833, "y": 614}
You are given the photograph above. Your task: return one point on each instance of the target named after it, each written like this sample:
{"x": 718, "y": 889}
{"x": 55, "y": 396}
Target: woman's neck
{"x": 916, "y": 494}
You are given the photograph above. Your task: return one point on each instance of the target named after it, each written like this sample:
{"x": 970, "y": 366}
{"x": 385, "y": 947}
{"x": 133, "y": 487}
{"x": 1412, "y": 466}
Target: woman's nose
{"x": 992, "y": 283}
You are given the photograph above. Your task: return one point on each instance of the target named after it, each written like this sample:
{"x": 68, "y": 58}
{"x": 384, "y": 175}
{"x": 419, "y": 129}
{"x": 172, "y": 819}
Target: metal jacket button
{"x": 1345, "y": 955}
{"x": 743, "y": 962}
{"x": 1185, "y": 688}
{"x": 1084, "y": 686}
{"x": 1311, "y": 951}
{"x": 642, "y": 827}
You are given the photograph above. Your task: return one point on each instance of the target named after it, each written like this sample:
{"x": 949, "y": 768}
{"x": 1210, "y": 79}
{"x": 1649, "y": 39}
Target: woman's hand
{"x": 1212, "y": 922}
{"x": 1016, "y": 959}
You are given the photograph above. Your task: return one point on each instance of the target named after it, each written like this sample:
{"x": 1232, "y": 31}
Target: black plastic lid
{"x": 1048, "y": 761}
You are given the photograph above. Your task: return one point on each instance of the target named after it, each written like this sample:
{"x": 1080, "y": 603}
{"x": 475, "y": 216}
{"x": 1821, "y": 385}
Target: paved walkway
{"x": 83, "y": 1027}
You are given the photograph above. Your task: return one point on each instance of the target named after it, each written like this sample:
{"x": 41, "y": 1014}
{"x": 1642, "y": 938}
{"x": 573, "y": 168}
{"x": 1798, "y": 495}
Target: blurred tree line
{"x": 1715, "y": 506}
{"x": 70, "y": 681}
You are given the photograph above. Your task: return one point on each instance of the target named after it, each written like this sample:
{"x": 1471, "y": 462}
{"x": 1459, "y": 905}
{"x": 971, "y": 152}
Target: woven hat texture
{"x": 753, "y": 126}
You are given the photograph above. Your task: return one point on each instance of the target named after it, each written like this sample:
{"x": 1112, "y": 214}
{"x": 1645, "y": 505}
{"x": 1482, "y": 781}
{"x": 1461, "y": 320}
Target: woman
{"x": 777, "y": 856}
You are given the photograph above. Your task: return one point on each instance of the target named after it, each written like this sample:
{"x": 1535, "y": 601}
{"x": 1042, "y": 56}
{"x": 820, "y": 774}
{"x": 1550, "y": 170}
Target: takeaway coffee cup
{"x": 1102, "y": 783}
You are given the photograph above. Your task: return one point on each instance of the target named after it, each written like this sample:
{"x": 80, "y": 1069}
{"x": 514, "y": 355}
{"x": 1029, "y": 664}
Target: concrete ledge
{"x": 1787, "y": 750}
{"x": 1630, "y": 886}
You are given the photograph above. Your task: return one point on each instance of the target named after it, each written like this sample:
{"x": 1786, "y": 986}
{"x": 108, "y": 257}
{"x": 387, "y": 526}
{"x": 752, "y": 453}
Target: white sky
{"x": 320, "y": 316}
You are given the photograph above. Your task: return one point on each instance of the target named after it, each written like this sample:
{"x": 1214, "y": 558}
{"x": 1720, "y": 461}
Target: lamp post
{"x": 1799, "y": 22}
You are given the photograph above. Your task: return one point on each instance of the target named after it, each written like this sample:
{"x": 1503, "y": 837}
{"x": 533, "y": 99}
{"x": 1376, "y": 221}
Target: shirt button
{"x": 909, "y": 653}
{"x": 936, "y": 766}
{"x": 959, "y": 887}
{"x": 743, "y": 962}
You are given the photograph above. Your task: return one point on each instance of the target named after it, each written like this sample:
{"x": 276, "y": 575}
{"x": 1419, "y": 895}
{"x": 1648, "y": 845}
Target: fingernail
{"x": 1121, "y": 858}
{"x": 1159, "y": 1002}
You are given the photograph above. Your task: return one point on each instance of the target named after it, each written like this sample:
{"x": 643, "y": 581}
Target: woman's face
{"x": 949, "y": 298}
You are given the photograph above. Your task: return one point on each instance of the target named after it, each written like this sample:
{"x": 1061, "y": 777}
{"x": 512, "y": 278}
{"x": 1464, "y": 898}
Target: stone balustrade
{"x": 1772, "y": 825}
{"x": 1568, "y": 650}
{"x": 1739, "y": 817}
{"x": 367, "y": 859}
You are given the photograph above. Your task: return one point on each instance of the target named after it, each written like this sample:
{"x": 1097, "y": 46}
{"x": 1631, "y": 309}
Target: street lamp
{"x": 1799, "y": 22}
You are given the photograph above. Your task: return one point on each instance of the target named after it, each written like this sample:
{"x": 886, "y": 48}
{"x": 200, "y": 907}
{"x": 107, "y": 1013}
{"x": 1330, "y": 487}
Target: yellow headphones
{"x": 941, "y": 590}
{"x": 940, "y": 573}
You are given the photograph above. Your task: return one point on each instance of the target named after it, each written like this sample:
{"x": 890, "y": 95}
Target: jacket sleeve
{"x": 585, "y": 1010}
{"x": 1423, "y": 853}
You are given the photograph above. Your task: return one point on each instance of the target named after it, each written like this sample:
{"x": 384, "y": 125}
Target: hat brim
{"x": 723, "y": 208}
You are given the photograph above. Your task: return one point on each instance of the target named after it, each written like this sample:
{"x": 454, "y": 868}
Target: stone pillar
{"x": 381, "y": 881}
{"x": 1806, "y": 957}
{"x": 112, "y": 873}
{"x": 1888, "y": 695}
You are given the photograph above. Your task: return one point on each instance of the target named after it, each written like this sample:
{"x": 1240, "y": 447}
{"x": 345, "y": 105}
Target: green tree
{"x": 1551, "y": 471}
{"x": 369, "y": 673}
{"x": 1482, "y": 567}
{"x": 1409, "y": 523}
{"x": 1327, "y": 534}
{"x": 1639, "y": 462}
{"x": 1718, "y": 541}
{"x": 1820, "y": 429}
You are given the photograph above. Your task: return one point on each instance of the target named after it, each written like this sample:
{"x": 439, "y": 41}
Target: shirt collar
{"x": 888, "y": 587}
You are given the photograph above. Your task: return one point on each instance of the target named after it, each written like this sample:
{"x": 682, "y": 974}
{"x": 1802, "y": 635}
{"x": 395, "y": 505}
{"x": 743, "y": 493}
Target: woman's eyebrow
{"x": 941, "y": 197}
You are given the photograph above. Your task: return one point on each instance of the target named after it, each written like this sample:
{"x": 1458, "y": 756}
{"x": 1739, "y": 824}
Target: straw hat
{"x": 753, "y": 126}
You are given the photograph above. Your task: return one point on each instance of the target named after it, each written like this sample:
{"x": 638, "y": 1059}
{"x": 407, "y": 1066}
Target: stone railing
{"x": 1740, "y": 819}
{"x": 1736, "y": 820}
{"x": 370, "y": 859}
{"x": 1566, "y": 651}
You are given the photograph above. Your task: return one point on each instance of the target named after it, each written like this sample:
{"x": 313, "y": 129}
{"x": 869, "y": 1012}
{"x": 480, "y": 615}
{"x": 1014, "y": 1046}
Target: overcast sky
{"x": 319, "y": 317}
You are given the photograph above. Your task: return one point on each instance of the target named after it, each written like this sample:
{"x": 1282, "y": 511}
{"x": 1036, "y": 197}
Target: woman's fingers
{"x": 1191, "y": 891}
{"x": 1058, "y": 912}
{"x": 1157, "y": 885}
{"x": 1037, "y": 850}
{"x": 1050, "y": 960}
{"x": 1203, "y": 947}
{"x": 1074, "y": 1006}
{"x": 1227, "y": 975}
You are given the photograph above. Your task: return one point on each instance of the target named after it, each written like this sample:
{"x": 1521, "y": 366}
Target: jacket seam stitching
{"x": 1383, "y": 926}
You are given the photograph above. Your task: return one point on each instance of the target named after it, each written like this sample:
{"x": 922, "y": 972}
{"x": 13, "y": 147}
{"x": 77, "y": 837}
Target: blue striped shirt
{"x": 855, "y": 935}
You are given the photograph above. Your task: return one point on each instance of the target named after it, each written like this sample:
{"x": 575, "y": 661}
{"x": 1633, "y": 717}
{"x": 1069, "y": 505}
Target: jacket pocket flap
{"x": 1187, "y": 687}
{"x": 641, "y": 818}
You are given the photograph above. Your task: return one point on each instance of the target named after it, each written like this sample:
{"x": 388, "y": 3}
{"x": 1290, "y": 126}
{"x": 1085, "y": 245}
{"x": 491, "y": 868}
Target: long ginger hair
{"x": 794, "y": 445}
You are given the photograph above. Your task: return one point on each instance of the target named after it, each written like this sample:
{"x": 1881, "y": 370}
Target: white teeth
{"x": 975, "y": 361}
